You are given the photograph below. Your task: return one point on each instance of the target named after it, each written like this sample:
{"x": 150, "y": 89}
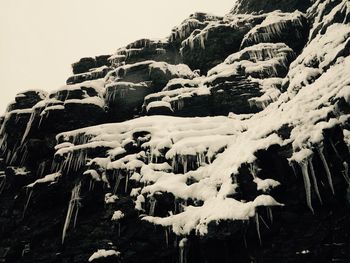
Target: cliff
{"x": 227, "y": 141}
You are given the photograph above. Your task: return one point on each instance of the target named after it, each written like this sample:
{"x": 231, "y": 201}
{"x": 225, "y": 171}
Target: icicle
{"x": 182, "y": 250}
{"x": 126, "y": 183}
{"x": 27, "y": 202}
{"x": 335, "y": 149}
{"x": 184, "y": 163}
{"x": 152, "y": 205}
{"x": 175, "y": 206}
{"x": 14, "y": 157}
{"x": 41, "y": 169}
{"x": 174, "y": 164}
{"x": 346, "y": 172}
{"x": 269, "y": 214}
{"x": 90, "y": 185}
{"x": 326, "y": 167}
{"x": 314, "y": 180}
{"x": 307, "y": 184}
{"x": 117, "y": 182}
{"x": 29, "y": 126}
{"x": 258, "y": 226}
{"x": 74, "y": 204}
{"x": 253, "y": 169}
{"x": 293, "y": 168}
{"x": 166, "y": 237}
{"x": 76, "y": 216}
{"x": 2, "y": 184}
{"x": 264, "y": 222}
{"x": 24, "y": 155}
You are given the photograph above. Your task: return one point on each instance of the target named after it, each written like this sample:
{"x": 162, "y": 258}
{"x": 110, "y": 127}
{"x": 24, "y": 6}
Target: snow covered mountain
{"x": 228, "y": 141}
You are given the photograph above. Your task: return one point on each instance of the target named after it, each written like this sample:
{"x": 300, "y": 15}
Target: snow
{"x": 50, "y": 178}
{"x": 117, "y": 215}
{"x": 180, "y": 70}
{"x": 158, "y": 104}
{"x": 110, "y": 198}
{"x": 103, "y": 253}
{"x": 20, "y": 171}
{"x": 265, "y": 185}
{"x": 318, "y": 56}
{"x": 188, "y": 83}
{"x": 271, "y": 87}
{"x": 174, "y": 98}
{"x": 97, "y": 101}
{"x": 213, "y": 210}
{"x": 51, "y": 108}
{"x": 94, "y": 175}
{"x": 318, "y": 13}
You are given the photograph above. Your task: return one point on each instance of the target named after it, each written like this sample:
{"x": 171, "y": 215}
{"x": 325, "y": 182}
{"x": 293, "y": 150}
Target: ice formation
{"x": 197, "y": 164}
{"x": 103, "y": 253}
{"x": 74, "y": 205}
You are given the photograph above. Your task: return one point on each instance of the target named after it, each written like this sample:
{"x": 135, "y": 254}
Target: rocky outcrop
{"x": 88, "y": 63}
{"x": 92, "y": 74}
{"x": 143, "y": 158}
{"x": 255, "y": 6}
{"x": 208, "y": 47}
{"x": 145, "y": 49}
{"x": 128, "y": 85}
{"x": 288, "y": 28}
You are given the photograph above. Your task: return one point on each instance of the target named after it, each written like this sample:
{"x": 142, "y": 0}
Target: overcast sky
{"x": 39, "y": 39}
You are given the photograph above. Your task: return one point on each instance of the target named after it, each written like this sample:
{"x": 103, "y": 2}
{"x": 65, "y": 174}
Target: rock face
{"x": 226, "y": 141}
{"x": 256, "y": 6}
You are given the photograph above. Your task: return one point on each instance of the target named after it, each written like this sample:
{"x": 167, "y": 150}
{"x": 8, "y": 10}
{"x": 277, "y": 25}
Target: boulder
{"x": 95, "y": 73}
{"x": 88, "y": 63}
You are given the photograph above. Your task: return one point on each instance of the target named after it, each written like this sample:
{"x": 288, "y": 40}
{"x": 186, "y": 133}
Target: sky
{"x": 40, "y": 39}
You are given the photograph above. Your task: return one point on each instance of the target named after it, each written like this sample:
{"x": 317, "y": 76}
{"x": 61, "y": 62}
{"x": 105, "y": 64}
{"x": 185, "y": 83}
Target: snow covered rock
{"x": 26, "y": 99}
{"x": 92, "y": 74}
{"x": 88, "y": 63}
{"x": 145, "y": 49}
{"x": 157, "y": 72}
{"x": 268, "y": 179}
{"x": 196, "y": 21}
{"x": 278, "y": 27}
{"x": 208, "y": 47}
{"x": 257, "y": 6}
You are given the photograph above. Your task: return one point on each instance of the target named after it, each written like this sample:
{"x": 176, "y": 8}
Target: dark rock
{"x": 209, "y": 47}
{"x": 88, "y": 63}
{"x": 124, "y": 99}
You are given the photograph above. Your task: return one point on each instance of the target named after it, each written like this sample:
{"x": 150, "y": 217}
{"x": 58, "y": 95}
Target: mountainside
{"x": 227, "y": 141}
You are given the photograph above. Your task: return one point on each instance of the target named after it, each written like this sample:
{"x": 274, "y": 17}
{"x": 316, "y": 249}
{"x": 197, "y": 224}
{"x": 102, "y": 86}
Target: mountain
{"x": 227, "y": 141}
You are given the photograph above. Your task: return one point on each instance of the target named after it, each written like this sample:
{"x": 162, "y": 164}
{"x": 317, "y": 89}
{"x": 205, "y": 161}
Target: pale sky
{"x": 39, "y": 39}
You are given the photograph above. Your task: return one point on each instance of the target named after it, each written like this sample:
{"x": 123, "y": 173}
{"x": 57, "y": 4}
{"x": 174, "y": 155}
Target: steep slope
{"x": 227, "y": 141}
